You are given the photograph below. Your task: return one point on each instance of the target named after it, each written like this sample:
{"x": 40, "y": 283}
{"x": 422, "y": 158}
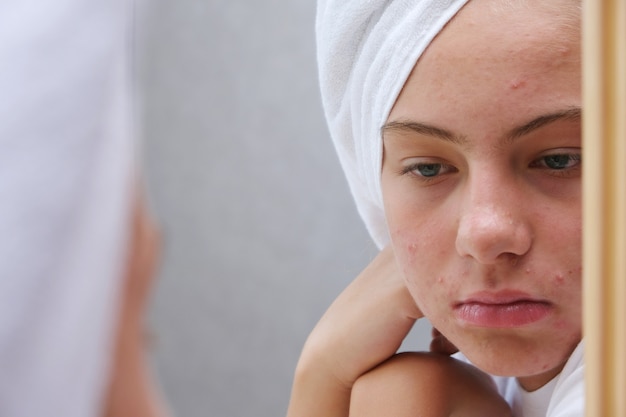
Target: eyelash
{"x": 413, "y": 170}
{"x": 574, "y": 161}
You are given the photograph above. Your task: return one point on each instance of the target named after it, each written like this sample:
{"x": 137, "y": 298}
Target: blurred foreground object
{"x": 132, "y": 391}
{"x": 66, "y": 185}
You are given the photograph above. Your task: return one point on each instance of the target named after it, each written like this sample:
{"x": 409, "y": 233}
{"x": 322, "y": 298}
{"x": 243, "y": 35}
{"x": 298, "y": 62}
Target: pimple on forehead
{"x": 566, "y": 51}
{"x": 517, "y": 83}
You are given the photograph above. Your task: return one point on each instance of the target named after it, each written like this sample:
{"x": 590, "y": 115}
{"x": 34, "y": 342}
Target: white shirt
{"x": 66, "y": 160}
{"x": 563, "y": 396}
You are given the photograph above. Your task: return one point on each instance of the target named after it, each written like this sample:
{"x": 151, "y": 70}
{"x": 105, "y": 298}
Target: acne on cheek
{"x": 416, "y": 245}
{"x": 559, "y": 279}
{"x": 411, "y": 260}
{"x": 406, "y": 246}
{"x": 411, "y": 249}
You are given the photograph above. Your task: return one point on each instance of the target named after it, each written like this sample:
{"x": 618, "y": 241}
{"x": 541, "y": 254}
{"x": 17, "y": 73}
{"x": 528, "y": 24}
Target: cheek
{"x": 419, "y": 231}
{"x": 422, "y": 256}
{"x": 417, "y": 250}
{"x": 557, "y": 266}
{"x": 423, "y": 237}
{"x": 566, "y": 286}
{"x": 571, "y": 278}
{"x": 563, "y": 248}
{"x": 566, "y": 291}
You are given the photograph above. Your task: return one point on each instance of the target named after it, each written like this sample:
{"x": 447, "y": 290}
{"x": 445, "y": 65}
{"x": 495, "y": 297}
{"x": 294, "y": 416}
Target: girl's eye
{"x": 428, "y": 170}
{"x": 557, "y": 161}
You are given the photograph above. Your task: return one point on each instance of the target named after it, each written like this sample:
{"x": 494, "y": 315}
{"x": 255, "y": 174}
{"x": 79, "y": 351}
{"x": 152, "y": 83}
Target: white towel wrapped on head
{"x": 366, "y": 51}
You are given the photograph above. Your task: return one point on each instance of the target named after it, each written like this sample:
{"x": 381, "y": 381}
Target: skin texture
{"x": 348, "y": 365}
{"x": 482, "y": 193}
{"x": 483, "y": 214}
{"x": 426, "y": 385}
{"x": 363, "y": 327}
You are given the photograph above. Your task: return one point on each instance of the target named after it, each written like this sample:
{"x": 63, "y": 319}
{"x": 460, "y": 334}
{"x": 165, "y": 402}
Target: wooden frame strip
{"x": 604, "y": 206}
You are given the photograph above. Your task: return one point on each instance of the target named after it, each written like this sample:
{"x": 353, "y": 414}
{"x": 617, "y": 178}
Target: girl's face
{"x": 482, "y": 187}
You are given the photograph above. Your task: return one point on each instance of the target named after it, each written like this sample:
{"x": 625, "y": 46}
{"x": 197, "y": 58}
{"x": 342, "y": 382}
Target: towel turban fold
{"x": 366, "y": 51}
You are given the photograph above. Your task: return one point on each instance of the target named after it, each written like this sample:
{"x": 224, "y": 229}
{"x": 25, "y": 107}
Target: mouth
{"x": 501, "y": 310}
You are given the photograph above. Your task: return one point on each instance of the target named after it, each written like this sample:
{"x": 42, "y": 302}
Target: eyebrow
{"x": 571, "y": 114}
{"x": 423, "y": 129}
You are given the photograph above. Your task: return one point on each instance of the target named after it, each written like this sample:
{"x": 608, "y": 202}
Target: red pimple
{"x": 412, "y": 248}
{"x": 559, "y": 278}
{"x": 517, "y": 83}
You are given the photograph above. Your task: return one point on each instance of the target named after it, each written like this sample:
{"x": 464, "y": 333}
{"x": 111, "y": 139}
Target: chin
{"x": 517, "y": 357}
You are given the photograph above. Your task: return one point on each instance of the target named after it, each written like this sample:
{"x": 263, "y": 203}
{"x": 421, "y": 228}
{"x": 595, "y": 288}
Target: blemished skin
{"x": 482, "y": 188}
{"x": 481, "y": 183}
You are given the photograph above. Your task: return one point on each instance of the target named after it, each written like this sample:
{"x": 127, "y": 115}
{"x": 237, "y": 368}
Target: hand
{"x": 363, "y": 327}
{"x": 132, "y": 391}
{"x": 141, "y": 265}
{"x": 440, "y": 344}
{"x": 366, "y": 324}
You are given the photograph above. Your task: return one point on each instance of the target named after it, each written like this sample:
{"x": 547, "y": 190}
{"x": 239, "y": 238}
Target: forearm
{"x": 316, "y": 394}
{"x": 426, "y": 385}
{"x": 363, "y": 327}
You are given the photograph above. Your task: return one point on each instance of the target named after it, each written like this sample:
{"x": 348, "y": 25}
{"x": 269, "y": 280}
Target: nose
{"x": 493, "y": 224}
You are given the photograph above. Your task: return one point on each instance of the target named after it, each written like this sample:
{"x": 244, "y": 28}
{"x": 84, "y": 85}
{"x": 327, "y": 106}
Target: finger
{"x": 440, "y": 344}
{"x": 143, "y": 256}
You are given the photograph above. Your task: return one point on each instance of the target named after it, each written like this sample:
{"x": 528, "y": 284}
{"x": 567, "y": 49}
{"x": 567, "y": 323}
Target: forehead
{"x": 498, "y": 57}
{"x": 505, "y": 29}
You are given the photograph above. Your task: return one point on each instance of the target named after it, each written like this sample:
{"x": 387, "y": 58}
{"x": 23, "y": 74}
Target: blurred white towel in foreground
{"x": 66, "y": 159}
{"x": 366, "y": 51}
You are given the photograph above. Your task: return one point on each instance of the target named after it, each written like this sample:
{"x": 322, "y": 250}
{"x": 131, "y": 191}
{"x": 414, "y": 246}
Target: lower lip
{"x": 509, "y": 315}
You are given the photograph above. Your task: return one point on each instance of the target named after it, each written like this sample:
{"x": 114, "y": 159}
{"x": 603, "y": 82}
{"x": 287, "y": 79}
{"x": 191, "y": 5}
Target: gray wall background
{"x": 259, "y": 228}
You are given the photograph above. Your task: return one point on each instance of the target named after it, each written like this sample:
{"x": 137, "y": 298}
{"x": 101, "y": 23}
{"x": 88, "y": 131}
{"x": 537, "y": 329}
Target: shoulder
{"x": 426, "y": 384}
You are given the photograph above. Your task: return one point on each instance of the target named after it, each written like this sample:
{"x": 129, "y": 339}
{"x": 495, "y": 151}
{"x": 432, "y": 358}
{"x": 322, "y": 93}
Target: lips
{"x": 505, "y": 309}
